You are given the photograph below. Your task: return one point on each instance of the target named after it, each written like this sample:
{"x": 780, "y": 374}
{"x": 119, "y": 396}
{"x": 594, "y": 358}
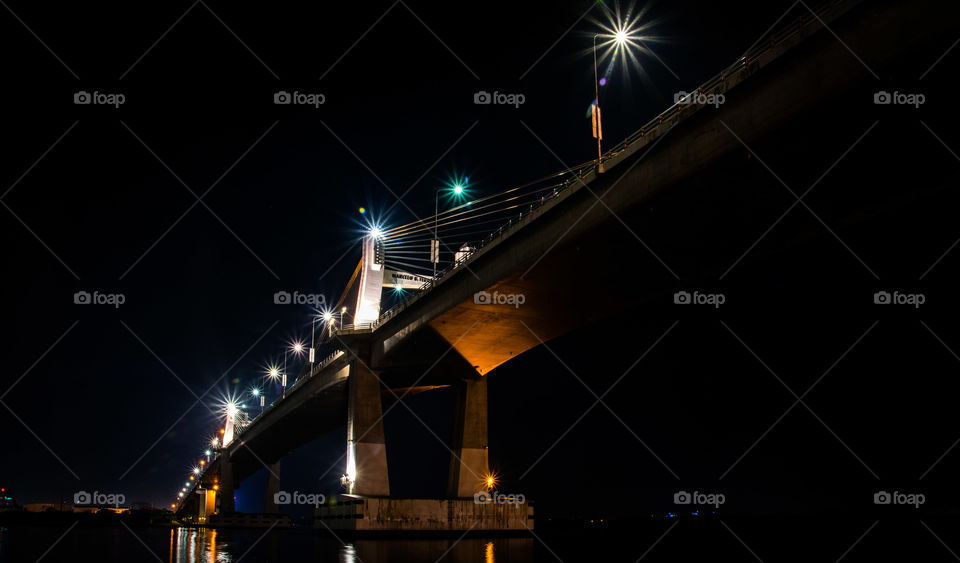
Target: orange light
{"x": 202, "y": 462}
{"x": 216, "y": 487}
{"x": 221, "y": 430}
{"x": 490, "y": 480}
{"x": 191, "y": 477}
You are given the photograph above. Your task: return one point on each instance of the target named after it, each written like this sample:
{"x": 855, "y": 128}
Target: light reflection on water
{"x": 207, "y": 545}
{"x": 70, "y": 542}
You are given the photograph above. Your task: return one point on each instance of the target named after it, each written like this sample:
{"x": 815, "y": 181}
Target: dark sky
{"x": 102, "y": 398}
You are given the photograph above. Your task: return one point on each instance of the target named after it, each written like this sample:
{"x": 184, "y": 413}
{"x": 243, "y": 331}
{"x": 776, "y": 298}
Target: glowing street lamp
{"x": 297, "y": 348}
{"x": 623, "y": 36}
{"x": 457, "y": 189}
{"x": 257, "y": 394}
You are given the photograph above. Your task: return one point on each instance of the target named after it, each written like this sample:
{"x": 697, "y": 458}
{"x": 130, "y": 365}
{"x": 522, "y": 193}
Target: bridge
{"x": 524, "y": 283}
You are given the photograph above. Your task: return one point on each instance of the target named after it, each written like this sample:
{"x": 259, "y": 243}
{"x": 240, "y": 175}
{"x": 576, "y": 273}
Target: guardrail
{"x": 758, "y": 56}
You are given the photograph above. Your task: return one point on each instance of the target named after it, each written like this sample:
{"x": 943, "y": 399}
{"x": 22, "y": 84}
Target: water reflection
{"x": 197, "y": 545}
{"x": 206, "y": 545}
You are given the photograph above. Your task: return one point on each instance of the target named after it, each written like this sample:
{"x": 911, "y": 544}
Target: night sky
{"x": 199, "y": 198}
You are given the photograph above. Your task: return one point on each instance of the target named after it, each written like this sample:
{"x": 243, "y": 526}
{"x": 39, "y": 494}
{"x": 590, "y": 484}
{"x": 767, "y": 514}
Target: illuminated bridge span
{"x": 544, "y": 242}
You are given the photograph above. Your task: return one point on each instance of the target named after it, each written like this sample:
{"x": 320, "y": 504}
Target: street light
{"x": 457, "y": 190}
{"x": 623, "y": 35}
{"x": 256, "y": 393}
{"x": 597, "y": 128}
{"x": 343, "y": 311}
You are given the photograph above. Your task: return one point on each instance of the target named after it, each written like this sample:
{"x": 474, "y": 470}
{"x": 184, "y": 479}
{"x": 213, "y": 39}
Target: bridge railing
{"x": 760, "y": 55}
{"x": 576, "y": 176}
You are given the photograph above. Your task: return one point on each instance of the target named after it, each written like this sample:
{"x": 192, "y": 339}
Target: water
{"x": 764, "y": 539}
{"x": 202, "y": 545}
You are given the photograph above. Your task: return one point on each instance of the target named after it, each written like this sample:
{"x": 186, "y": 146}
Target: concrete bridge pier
{"x": 469, "y": 464}
{"x": 225, "y": 486}
{"x": 366, "y": 472}
{"x": 207, "y": 504}
{"x": 272, "y": 488}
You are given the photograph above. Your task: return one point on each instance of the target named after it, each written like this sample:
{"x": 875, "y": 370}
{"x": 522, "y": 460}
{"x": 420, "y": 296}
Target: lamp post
{"x": 343, "y": 311}
{"x": 313, "y": 339}
{"x": 622, "y": 35}
{"x": 457, "y": 190}
{"x": 328, "y": 318}
{"x": 598, "y": 129}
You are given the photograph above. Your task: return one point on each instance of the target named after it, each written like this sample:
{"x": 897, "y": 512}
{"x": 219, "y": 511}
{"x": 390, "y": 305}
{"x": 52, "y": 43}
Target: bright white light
{"x": 273, "y": 372}
{"x": 255, "y": 392}
{"x": 297, "y": 347}
{"x": 458, "y": 189}
{"x": 196, "y": 471}
{"x": 328, "y": 316}
{"x": 208, "y": 452}
{"x": 375, "y": 232}
{"x": 620, "y": 37}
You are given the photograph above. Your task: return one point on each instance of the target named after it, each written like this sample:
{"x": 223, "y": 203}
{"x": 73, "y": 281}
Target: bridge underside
{"x": 683, "y": 214}
{"x": 686, "y": 216}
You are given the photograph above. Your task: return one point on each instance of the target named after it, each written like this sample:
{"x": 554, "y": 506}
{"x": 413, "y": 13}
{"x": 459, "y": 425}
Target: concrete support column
{"x": 273, "y": 487}
{"x": 366, "y": 446}
{"x": 469, "y": 464}
{"x": 226, "y": 487}
{"x": 208, "y": 503}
